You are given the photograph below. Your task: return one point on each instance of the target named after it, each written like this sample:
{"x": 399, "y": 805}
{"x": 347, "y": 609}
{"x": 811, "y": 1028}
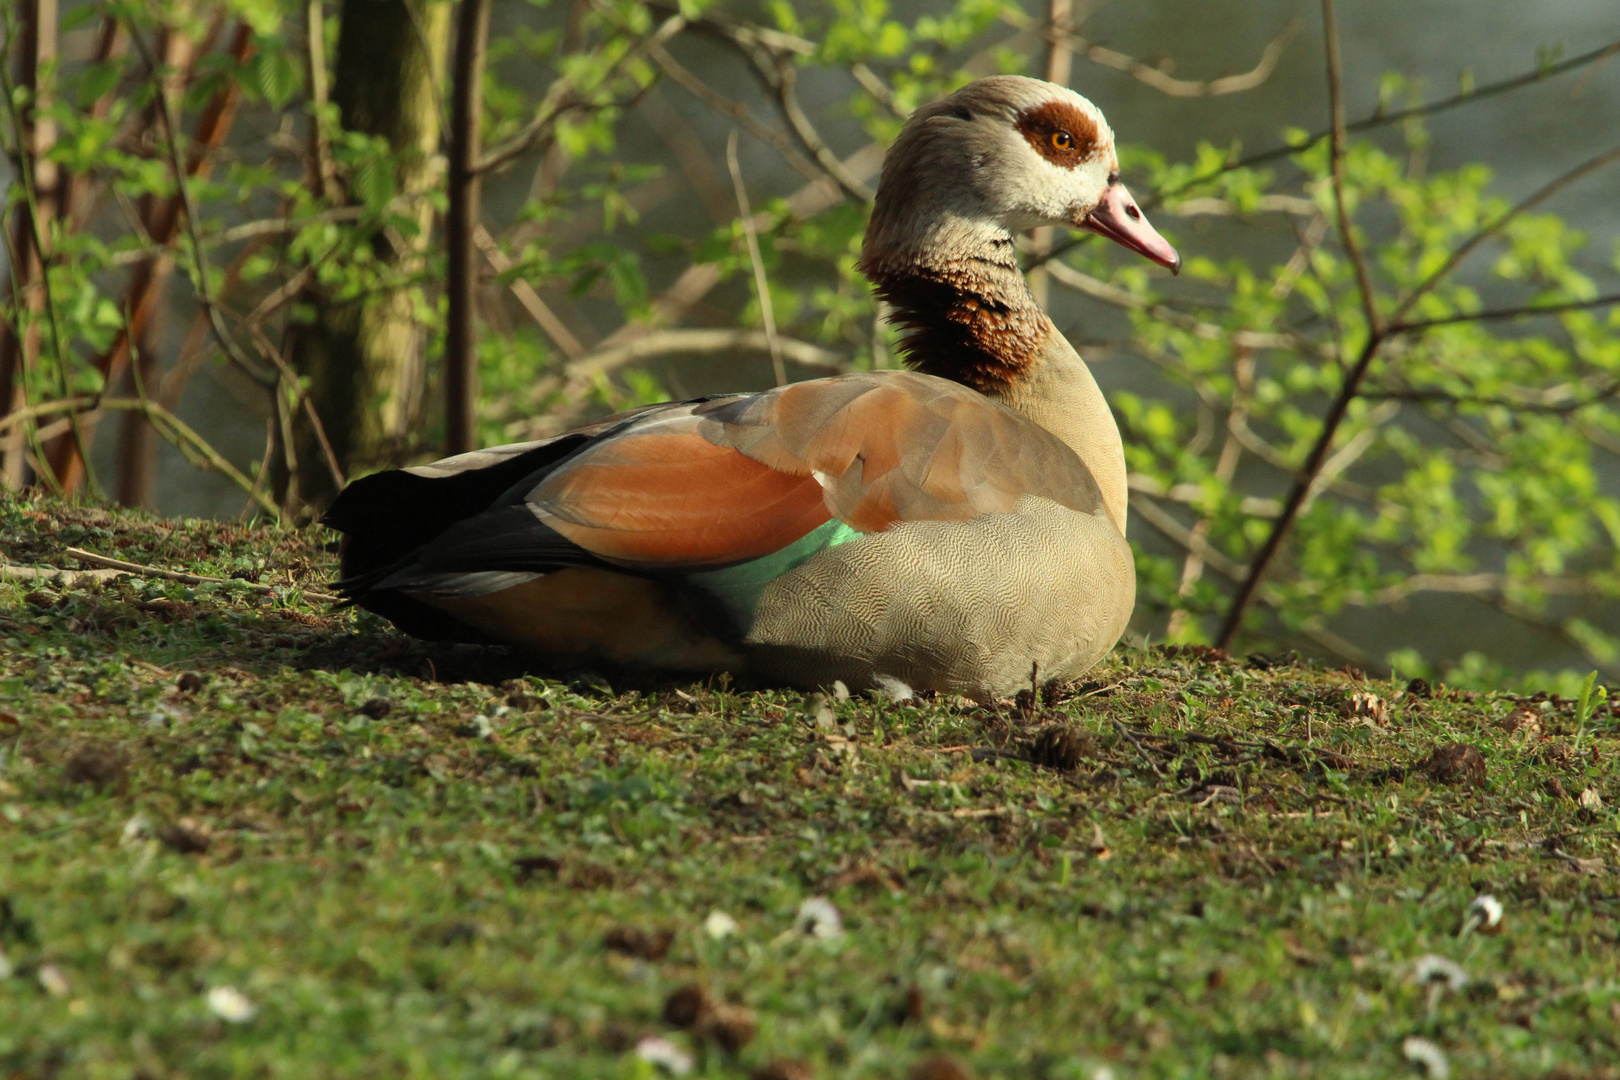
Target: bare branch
{"x": 1417, "y": 325}
{"x": 1192, "y": 567}
{"x": 1483, "y": 585}
{"x": 770, "y": 53}
{"x": 1559, "y": 400}
{"x": 198, "y": 252}
{"x": 1305, "y": 479}
{"x": 34, "y": 137}
{"x": 738, "y": 113}
{"x": 119, "y": 566}
{"x": 1380, "y": 118}
{"x": 176, "y": 431}
{"x": 788, "y": 100}
{"x": 580, "y": 377}
{"x": 1274, "y": 204}
{"x": 1194, "y": 542}
{"x": 304, "y": 402}
{"x": 1530, "y": 202}
{"x": 537, "y": 308}
{"x": 1158, "y": 77}
{"x": 696, "y": 280}
{"x": 320, "y": 143}
{"x": 1347, "y": 231}
{"x": 762, "y": 287}
{"x": 1066, "y": 275}
{"x": 874, "y": 85}
{"x": 560, "y": 98}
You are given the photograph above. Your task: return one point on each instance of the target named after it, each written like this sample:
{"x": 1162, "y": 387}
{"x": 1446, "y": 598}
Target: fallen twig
{"x": 120, "y": 566}
{"x": 14, "y": 572}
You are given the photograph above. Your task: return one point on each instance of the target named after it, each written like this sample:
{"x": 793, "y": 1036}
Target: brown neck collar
{"x": 970, "y": 316}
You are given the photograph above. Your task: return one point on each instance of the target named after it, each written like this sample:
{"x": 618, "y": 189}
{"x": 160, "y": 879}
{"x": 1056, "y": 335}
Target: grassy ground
{"x": 241, "y": 835}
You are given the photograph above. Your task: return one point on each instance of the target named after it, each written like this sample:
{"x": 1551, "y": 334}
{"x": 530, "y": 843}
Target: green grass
{"x": 412, "y": 860}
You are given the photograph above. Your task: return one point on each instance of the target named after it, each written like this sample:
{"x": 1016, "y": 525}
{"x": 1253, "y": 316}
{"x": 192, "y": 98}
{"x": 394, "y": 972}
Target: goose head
{"x": 1000, "y": 156}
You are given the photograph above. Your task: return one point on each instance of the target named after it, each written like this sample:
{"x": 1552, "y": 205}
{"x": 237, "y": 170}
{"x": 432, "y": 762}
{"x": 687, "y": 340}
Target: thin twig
{"x": 1146, "y": 754}
{"x": 538, "y": 310}
{"x": 696, "y": 281}
{"x": 1527, "y": 405}
{"x": 559, "y": 98}
{"x": 1158, "y": 77}
{"x": 787, "y": 100}
{"x": 304, "y": 403}
{"x": 1305, "y": 479}
{"x": 578, "y": 378}
{"x": 739, "y": 114}
{"x": 1416, "y": 325}
{"x": 1378, "y": 119}
{"x": 1192, "y": 567}
{"x": 320, "y": 143}
{"x": 761, "y": 286}
{"x": 54, "y": 575}
{"x": 1347, "y": 232}
{"x": 198, "y": 253}
{"x": 1536, "y": 198}
{"x": 188, "y": 579}
{"x": 180, "y": 434}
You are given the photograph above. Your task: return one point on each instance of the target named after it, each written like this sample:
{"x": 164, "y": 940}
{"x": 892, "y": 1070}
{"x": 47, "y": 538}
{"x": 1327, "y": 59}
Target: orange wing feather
{"x": 725, "y": 481}
{"x": 674, "y": 498}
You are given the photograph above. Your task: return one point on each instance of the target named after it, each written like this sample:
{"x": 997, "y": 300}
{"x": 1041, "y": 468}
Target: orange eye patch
{"x": 1060, "y": 132}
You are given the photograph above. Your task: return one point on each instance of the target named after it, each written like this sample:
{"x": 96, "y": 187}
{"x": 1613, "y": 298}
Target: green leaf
{"x": 372, "y": 182}
{"x": 274, "y": 73}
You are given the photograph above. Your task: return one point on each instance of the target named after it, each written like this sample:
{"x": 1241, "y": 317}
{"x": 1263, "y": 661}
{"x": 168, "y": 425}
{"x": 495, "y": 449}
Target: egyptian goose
{"x": 946, "y": 526}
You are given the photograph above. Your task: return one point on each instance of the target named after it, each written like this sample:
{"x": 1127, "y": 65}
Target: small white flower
{"x": 820, "y": 707}
{"x": 51, "y": 978}
{"x": 840, "y": 691}
{"x": 818, "y": 918}
{"x": 134, "y": 829}
{"x": 1432, "y": 969}
{"x": 1430, "y": 1056}
{"x": 1484, "y": 915}
{"x": 719, "y": 925}
{"x": 231, "y": 1005}
{"x": 665, "y": 1054}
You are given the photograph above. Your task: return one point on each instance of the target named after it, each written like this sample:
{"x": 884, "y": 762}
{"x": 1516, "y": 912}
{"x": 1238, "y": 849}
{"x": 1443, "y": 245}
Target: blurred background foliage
{"x": 237, "y": 275}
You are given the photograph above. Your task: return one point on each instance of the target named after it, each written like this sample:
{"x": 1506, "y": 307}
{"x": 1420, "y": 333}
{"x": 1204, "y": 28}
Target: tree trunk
{"x": 362, "y": 357}
{"x": 20, "y": 338}
{"x": 461, "y": 222}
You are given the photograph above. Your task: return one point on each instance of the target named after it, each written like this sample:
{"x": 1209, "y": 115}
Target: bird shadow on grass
{"x": 391, "y": 654}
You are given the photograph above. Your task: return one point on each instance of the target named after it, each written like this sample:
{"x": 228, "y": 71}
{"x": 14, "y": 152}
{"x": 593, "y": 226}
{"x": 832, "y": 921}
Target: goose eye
{"x": 1062, "y": 140}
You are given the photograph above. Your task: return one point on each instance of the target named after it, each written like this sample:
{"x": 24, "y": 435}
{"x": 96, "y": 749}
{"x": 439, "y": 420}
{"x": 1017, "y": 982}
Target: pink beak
{"x": 1118, "y": 218}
